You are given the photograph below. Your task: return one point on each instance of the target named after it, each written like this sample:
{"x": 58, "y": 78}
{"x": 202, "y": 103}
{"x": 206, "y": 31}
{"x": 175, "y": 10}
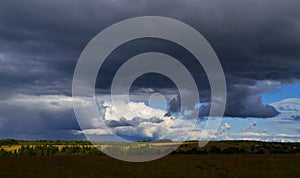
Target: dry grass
{"x": 11, "y": 148}
{"x": 17, "y": 147}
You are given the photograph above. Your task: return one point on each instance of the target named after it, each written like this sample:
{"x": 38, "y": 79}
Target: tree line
{"x": 51, "y": 150}
{"x": 253, "y": 149}
{"x": 57, "y": 147}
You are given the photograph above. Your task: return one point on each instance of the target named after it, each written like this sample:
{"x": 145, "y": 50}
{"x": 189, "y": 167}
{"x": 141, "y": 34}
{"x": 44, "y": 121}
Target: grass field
{"x": 271, "y": 165}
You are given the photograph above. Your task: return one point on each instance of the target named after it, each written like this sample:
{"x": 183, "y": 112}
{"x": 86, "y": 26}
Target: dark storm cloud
{"x": 38, "y": 117}
{"x": 254, "y": 40}
{"x": 242, "y": 101}
{"x": 296, "y": 118}
{"x": 40, "y": 42}
{"x": 120, "y": 123}
{"x": 174, "y": 106}
{"x": 245, "y": 101}
{"x": 134, "y": 122}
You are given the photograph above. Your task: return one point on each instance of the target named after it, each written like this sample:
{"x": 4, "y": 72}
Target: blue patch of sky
{"x": 281, "y": 93}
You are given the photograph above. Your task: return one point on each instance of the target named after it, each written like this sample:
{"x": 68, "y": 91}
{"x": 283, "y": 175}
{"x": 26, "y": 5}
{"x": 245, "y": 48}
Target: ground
{"x": 179, "y": 165}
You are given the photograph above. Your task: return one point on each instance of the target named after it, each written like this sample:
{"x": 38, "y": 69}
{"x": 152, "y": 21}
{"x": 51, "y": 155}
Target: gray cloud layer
{"x": 40, "y": 43}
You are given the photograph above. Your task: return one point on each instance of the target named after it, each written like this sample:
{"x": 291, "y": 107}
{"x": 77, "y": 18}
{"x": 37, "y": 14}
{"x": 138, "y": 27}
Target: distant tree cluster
{"x": 9, "y": 142}
{"x": 262, "y": 148}
{"x": 50, "y": 150}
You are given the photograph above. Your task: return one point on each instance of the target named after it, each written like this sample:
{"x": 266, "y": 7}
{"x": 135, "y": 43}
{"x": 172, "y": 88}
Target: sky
{"x": 256, "y": 41}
